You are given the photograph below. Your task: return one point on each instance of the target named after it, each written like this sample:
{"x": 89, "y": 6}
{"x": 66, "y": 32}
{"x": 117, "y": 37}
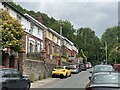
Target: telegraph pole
{"x": 61, "y": 26}
{"x": 106, "y": 51}
{"x": 119, "y": 22}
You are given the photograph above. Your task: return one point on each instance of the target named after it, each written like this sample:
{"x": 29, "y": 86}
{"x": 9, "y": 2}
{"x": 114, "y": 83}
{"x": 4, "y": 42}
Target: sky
{"x": 96, "y": 14}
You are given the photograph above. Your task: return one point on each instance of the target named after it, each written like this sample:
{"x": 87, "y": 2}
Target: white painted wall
{"x": 35, "y": 32}
{"x": 1, "y": 6}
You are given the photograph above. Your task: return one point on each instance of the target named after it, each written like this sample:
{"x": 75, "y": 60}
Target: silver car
{"x": 104, "y": 81}
{"x": 74, "y": 68}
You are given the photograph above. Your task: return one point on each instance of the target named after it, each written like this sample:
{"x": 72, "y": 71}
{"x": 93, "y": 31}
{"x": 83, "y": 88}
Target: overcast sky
{"x": 96, "y": 14}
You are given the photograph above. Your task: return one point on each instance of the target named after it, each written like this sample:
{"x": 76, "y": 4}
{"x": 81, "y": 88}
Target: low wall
{"x": 37, "y": 70}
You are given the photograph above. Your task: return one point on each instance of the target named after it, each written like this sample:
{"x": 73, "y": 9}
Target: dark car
{"x": 83, "y": 67}
{"x": 11, "y": 79}
{"x": 102, "y": 68}
{"x": 104, "y": 81}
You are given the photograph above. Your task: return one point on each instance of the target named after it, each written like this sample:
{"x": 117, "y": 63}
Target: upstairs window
{"x": 7, "y": 8}
{"x": 39, "y": 31}
{"x": 19, "y": 18}
{"x": 31, "y": 28}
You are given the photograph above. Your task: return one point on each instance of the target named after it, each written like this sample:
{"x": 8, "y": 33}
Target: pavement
{"x": 75, "y": 81}
{"x": 39, "y": 83}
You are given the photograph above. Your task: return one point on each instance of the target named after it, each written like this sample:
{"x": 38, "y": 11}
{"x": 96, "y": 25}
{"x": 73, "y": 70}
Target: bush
{"x": 32, "y": 77}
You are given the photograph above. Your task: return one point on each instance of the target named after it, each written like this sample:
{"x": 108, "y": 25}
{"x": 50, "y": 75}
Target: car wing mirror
{"x": 90, "y": 77}
{"x": 91, "y": 72}
{"x": 25, "y": 76}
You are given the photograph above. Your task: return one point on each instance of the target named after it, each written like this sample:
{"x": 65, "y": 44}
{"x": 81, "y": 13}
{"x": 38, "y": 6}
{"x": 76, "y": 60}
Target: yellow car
{"x": 61, "y": 71}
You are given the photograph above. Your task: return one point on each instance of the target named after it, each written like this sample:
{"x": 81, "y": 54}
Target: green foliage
{"x": 111, "y": 35}
{"x": 114, "y": 56}
{"x": 83, "y": 56}
{"x": 90, "y": 44}
{"x": 84, "y": 38}
{"x": 12, "y": 32}
{"x": 32, "y": 77}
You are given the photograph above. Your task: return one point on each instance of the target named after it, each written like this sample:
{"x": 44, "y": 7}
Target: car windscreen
{"x": 103, "y": 68}
{"x": 59, "y": 67}
{"x": 106, "y": 79}
{"x": 72, "y": 66}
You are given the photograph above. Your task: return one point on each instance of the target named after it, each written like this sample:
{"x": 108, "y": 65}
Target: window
{"x": 36, "y": 48}
{"x": 31, "y": 47}
{"x": 19, "y": 18}
{"x": 31, "y": 28}
{"x": 53, "y": 49}
{"x": 49, "y": 48}
{"x": 49, "y": 34}
{"x": 7, "y": 74}
{"x": 7, "y": 8}
{"x": 39, "y": 31}
{"x": 16, "y": 74}
{"x": 57, "y": 40}
{"x": 52, "y": 37}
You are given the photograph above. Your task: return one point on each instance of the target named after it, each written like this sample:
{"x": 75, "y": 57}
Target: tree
{"x": 114, "y": 56}
{"x": 89, "y": 42}
{"x": 83, "y": 56}
{"x": 111, "y": 35}
{"x": 12, "y": 32}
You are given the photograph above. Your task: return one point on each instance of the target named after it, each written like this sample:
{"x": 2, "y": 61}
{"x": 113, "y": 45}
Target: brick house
{"x": 33, "y": 38}
{"x": 36, "y": 39}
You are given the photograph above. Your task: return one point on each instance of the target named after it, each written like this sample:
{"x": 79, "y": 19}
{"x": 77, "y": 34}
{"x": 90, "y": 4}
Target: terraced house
{"x": 52, "y": 45}
{"x": 38, "y": 39}
{"x": 33, "y": 39}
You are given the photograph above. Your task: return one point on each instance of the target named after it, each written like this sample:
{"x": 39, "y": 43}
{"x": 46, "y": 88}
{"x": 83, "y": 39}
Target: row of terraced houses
{"x": 41, "y": 42}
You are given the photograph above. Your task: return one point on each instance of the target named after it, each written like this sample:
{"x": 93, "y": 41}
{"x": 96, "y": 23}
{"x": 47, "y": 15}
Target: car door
{"x": 20, "y": 82}
{"x": 68, "y": 71}
{"x": 8, "y": 81}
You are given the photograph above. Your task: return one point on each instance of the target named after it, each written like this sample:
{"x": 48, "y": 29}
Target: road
{"x": 75, "y": 81}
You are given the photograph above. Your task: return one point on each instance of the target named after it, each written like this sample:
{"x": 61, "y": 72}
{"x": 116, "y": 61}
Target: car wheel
{"x": 70, "y": 75}
{"x": 4, "y": 88}
{"x": 53, "y": 76}
{"x": 66, "y": 75}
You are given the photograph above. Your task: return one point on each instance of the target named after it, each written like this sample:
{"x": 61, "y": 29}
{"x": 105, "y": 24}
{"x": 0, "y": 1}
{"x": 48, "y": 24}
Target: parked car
{"x": 83, "y": 67}
{"x": 102, "y": 68}
{"x": 104, "y": 81}
{"x": 63, "y": 71}
{"x": 117, "y": 67}
{"x": 74, "y": 68}
{"x": 89, "y": 65}
{"x": 11, "y": 79}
